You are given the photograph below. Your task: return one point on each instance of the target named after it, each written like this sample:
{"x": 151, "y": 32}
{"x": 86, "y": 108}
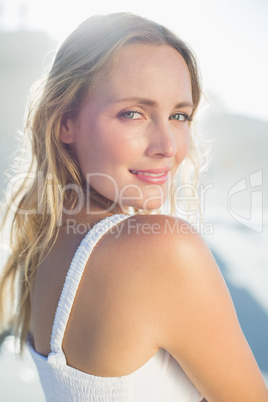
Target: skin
{"x": 112, "y": 136}
{"x": 150, "y": 287}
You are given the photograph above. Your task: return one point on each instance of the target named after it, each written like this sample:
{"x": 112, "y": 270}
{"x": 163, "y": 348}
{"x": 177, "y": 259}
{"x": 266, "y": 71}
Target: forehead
{"x": 148, "y": 51}
{"x": 146, "y": 69}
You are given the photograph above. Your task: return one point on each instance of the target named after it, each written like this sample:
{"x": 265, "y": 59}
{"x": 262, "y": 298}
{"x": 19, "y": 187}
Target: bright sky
{"x": 229, "y": 37}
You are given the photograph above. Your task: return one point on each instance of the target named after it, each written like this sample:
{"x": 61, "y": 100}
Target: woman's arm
{"x": 194, "y": 318}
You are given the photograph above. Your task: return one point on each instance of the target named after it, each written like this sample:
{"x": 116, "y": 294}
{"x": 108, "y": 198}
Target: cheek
{"x": 183, "y": 146}
{"x": 113, "y": 142}
{"x": 112, "y": 155}
{"x": 187, "y": 144}
{"x": 122, "y": 149}
{"x": 105, "y": 155}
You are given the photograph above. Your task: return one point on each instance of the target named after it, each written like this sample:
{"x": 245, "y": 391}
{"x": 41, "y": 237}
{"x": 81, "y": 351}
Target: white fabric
{"x": 160, "y": 379}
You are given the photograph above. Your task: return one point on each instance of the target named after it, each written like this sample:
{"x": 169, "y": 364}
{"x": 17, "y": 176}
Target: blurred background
{"x": 230, "y": 40}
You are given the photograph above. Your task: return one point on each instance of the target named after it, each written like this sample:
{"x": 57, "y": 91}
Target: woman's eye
{"x": 132, "y": 115}
{"x": 180, "y": 117}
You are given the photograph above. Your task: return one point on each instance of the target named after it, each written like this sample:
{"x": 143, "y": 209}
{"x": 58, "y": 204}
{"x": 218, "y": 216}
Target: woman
{"x": 119, "y": 304}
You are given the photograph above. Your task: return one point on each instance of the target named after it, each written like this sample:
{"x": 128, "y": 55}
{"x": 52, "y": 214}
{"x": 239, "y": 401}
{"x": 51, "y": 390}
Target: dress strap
{"x": 72, "y": 282}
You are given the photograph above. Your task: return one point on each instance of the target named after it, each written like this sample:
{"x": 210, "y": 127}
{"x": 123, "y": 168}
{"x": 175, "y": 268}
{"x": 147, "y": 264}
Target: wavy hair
{"x": 38, "y": 203}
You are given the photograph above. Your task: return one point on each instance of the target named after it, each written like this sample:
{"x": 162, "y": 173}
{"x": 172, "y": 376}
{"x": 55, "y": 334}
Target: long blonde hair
{"x": 42, "y": 195}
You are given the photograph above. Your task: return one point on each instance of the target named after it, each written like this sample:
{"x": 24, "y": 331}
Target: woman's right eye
{"x": 131, "y": 114}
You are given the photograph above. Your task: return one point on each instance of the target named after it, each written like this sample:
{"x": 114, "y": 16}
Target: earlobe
{"x": 66, "y": 131}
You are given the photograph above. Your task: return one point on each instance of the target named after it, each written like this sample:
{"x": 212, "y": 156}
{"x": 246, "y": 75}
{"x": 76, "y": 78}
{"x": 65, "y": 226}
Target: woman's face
{"x": 133, "y": 131}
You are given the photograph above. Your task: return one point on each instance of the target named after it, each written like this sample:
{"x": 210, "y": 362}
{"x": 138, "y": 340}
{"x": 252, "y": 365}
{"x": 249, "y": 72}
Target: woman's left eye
{"x": 131, "y": 114}
{"x": 180, "y": 117}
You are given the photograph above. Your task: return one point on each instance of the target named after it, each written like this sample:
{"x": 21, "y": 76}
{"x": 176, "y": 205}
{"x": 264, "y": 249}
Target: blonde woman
{"x": 117, "y": 303}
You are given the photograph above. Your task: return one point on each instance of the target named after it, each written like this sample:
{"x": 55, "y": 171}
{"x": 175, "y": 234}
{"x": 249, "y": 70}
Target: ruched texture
{"x": 160, "y": 379}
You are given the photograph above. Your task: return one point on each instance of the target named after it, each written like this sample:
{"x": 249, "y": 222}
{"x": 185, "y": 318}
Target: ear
{"x": 67, "y": 131}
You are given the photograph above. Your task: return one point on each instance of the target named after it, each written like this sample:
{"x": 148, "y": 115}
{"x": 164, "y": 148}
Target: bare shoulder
{"x": 156, "y": 254}
{"x": 169, "y": 250}
{"x": 147, "y": 245}
{"x": 157, "y": 230}
{"x": 165, "y": 247}
{"x": 160, "y": 241}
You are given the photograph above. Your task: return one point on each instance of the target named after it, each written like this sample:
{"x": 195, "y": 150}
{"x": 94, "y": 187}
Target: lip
{"x": 148, "y": 175}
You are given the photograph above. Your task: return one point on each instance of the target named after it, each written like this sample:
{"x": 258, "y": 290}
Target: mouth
{"x": 153, "y": 176}
{"x": 148, "y": 173}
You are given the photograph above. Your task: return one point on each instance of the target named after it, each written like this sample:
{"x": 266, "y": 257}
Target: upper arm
{"x": 194, "y": 319}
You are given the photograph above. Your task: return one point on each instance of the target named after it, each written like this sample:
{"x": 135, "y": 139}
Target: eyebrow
{"x": 149, "y": 102}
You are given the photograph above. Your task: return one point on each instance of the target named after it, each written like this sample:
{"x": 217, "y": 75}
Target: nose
{"x": 162, "y": 141}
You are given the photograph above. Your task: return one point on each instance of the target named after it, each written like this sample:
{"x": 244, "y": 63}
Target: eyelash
{"x": 186, "y": 116}
{"x": 130, "y": 112}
